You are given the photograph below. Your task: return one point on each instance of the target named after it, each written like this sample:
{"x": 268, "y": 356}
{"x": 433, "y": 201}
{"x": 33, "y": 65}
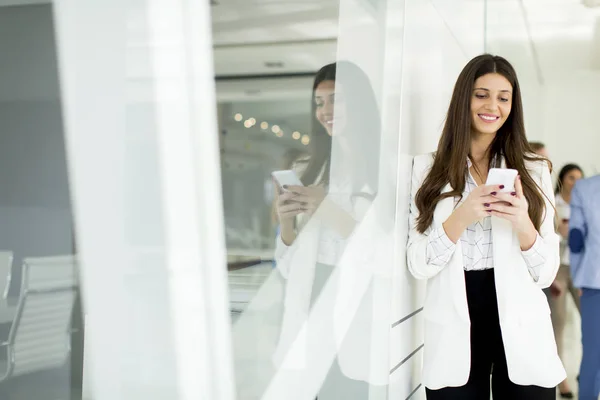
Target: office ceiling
{"x": 257, "y": 37}
{"x": 290, "y": 36}
{"x": 554, "y": 37}
{"x": 544, "y": 38}
{"x": 273, "y": 36}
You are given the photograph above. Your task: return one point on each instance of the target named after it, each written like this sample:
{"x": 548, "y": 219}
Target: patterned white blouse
{"x": 476, "y": 243}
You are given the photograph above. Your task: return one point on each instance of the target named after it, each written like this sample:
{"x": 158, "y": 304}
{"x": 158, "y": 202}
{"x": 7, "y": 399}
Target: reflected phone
{"x": 502, "y": 176}
{"x": 286, "y": 177}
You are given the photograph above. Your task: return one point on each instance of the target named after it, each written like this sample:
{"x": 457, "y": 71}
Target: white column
{"x": 139, "y": 105}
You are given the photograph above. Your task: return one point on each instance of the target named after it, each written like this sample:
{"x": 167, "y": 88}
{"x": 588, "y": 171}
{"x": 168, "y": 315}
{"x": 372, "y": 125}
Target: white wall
{"x": 34, "y": 197}
{"x": 570, "y": 109}
{"x": 554, "y": 51}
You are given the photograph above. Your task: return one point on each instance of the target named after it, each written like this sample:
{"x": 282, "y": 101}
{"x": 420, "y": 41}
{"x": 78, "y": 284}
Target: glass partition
{"x": 41, "y": 331}
{"x": 341, "y": 96}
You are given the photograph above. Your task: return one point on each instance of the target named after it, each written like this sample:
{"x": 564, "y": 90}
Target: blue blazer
{"x": 584, "y": 233}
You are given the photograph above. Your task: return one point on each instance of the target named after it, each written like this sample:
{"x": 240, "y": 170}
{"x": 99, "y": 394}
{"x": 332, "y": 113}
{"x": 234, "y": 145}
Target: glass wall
{"x": 333, "y": 103}
{"x": 238, "y": 176}
{"x": 40, "y": 326}
{"x": 331, "y": 100}
{"x": 140, "y": 120}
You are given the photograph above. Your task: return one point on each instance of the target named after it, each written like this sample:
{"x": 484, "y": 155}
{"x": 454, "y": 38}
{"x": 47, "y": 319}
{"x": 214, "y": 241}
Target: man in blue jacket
{"x": 584, "y": 243}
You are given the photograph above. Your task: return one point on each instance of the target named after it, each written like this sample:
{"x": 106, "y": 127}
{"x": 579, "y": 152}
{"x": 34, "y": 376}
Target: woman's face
{"x": 326, "y": 96}
{"x": 491, "y": 103}
{"x": 570, "y": 178}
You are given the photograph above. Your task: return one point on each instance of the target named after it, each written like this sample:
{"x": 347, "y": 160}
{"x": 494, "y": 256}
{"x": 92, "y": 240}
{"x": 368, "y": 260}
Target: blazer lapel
{"x": 456, "y": 272}
{"x": 502, "y": 237}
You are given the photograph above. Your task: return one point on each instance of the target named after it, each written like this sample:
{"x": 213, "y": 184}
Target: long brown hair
{"x": 363, "y": 128}
{"x": 319, "y": 146}
{"x": 450, "y": 160}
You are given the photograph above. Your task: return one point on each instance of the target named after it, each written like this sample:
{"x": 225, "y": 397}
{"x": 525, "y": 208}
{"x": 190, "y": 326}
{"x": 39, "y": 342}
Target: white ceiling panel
{"x": 237, "y": 22}
{"x": 274, "y": 36}
{"x": 284, "y": 58}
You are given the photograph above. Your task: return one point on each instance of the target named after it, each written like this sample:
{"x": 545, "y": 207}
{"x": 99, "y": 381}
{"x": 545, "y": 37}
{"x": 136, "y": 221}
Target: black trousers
{"x": 487, "y": 351}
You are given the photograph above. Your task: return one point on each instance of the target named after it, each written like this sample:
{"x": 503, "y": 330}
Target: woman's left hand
{"x": 513, "y": 207}
{"x": 310, "y": 197}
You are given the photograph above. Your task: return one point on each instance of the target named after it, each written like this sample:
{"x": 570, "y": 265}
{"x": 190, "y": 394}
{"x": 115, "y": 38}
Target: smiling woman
{"x": 461, "y": 241}
{"x": 491, "y": 103}
{"x": 482, "y": 88}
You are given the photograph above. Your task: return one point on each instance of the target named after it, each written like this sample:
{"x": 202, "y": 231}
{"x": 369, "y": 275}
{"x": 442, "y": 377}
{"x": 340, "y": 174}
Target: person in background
{"x": 584, "y": 245}
{"x": 539, "y": 148}
{"x": 563, "y": 284}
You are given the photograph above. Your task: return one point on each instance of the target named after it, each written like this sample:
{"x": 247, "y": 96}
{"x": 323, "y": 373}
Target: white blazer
{"x": 361, "y": 338}
{"x": 527, "y": 333}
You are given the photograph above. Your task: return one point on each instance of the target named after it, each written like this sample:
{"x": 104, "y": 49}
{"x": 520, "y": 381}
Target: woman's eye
{"x": 319, "y": 105}
{"x": 503, "y": 99}
{"x": 480, "y": 96}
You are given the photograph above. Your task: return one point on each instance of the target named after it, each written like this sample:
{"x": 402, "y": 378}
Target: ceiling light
{"x": 275, "y": 128}
{"x": 305, "y": 140}
{"x": 264, "y": 125}
{"x": 279, "y": 133}
{"x": 248, "y": 123}
{"x": 252, "y": 121}
{"x": 238, "y": 117}
{"x": 296, "y": 135}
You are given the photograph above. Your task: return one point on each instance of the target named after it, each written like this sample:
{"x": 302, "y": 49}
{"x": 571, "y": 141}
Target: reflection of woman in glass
{"x": 357, "y": 135}
{"x": 339, "y": 179}
{"x": 290, "y": 158}
{"x": 486, "y": 253}
{"x": 563, "y": 284}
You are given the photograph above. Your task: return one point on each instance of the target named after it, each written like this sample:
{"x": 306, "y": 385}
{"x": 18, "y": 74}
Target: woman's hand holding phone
{"x": 514, "y": 208}
{"x": 509, "y": 204}
{"x": 287, "y": 208}
{"x": 517, "y": 212}
{"x": 294, "y": 200}
{"x": 309, "y": 197}
{"x": 473, "y": 209}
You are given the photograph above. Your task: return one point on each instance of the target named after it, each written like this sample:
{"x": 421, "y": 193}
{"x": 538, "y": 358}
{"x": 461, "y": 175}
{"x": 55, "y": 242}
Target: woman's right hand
{"x": 473, "y": 209}
{"x": 287, "y": 209}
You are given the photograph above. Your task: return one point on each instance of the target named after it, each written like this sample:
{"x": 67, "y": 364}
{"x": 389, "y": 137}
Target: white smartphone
{"x": 286, "y": 177}
{"x": 502, "y": 176}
